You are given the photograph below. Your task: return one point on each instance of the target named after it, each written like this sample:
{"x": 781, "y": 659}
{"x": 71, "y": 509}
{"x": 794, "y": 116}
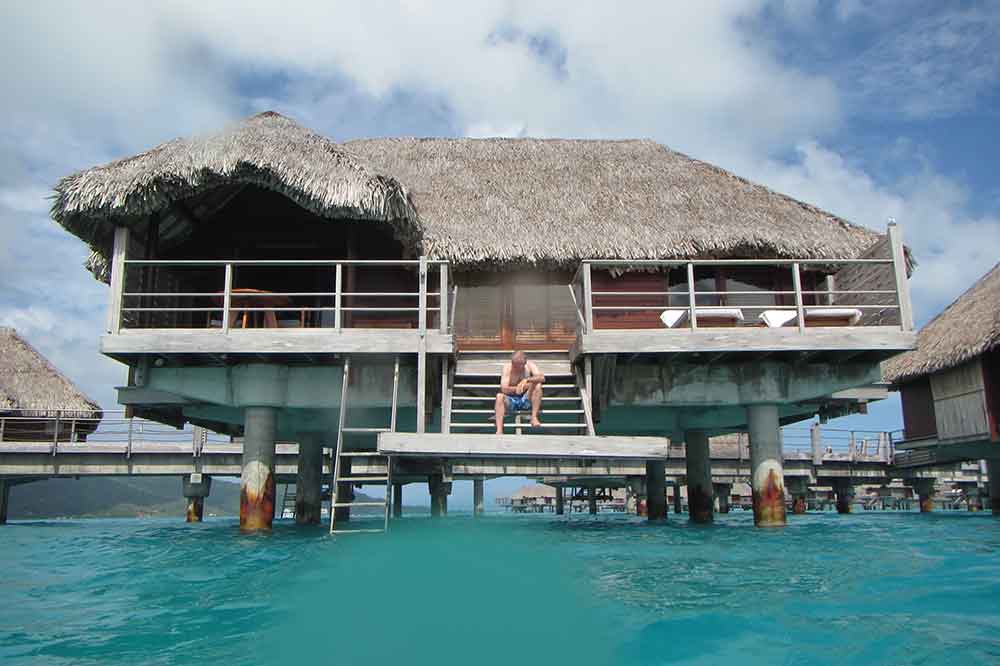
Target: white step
{"x": 490, "y": 411}
{"x": 566, "y": 398}
{"x": 526, "y": 426}
{"x": 490, "y": 386}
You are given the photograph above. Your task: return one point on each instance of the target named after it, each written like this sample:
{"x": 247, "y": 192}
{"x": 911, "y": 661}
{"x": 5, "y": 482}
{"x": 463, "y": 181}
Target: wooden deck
{"x": 437, "y": 445}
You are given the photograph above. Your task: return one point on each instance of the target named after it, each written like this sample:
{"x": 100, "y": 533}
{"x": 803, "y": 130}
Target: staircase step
{"x": 526, "y": 426}
{"x": 487, "y": 386}
{"x": 359, "y": 430}
{"x": 372, "y": 531}
{"x": 341, "y": 504}
{"x": 359, "y": 479}
{"x": 563, "y": 398}
{"x": 354, "y": 454}
{"x": 490, "y": 411}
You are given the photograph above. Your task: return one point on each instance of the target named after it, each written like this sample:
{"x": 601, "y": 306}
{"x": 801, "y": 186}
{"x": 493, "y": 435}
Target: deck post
{"x": 588, "y": 299}
{"x": 656, "y": 490}
{"x": 308, "y": 480}
{"x": 692, "y": 304}
{"x": 560, "y": 501}
{"x": 993, "y": 480}
{"x": 699, "y": 476}
{"x": 118, "y": 257}
{"x": 722, "y": 493}
{"x": 800, "y": 311}
{"x": 227, "y": 297}
{"x": 196, "y": 488}
{"x": 477, "y": 497}
{"x": 592, "y": 500}
{"x": 443, "y": 299}
{"x": 5, "y": 485}
{"x": 257, "y": 493}
{"x": 767, "y": 467}
{"x": 397, "y": 500}
{"x": 422, "y": 349}
{"x": 899, "y": 273}
{"x": 845, "y": 495}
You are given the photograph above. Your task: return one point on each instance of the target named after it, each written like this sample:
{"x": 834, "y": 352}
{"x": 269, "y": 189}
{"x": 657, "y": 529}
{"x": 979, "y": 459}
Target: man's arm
{"x": 535, "y": 375}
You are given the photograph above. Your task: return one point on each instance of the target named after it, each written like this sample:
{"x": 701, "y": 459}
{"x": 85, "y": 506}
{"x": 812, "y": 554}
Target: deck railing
{"x": 229, "y": 294}
{"x": 62, "y": 429}
{"x": 871, "y": 290}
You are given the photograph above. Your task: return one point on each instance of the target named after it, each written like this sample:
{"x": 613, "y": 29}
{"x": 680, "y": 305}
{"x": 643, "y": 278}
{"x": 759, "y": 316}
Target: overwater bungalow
{"x": 362, "y": 297}
{"x": 950, "y": 385}
{"x": 37, "y": 403}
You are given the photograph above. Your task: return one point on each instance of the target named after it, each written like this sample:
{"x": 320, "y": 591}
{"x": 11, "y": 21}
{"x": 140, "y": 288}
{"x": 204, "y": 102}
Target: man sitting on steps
{"x": 520, "y": 388}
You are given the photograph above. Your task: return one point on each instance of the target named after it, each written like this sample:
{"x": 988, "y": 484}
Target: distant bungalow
{"x": 950, "y": 384}
{"x": 270, "y": 283}
{"x": 37, "y": 403}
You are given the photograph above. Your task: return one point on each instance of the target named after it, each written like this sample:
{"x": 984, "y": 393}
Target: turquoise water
{"x": 871, "y": 588}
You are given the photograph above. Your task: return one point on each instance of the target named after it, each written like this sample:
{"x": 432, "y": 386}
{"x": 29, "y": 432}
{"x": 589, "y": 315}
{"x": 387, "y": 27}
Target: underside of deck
{"x": 438, "y": 445}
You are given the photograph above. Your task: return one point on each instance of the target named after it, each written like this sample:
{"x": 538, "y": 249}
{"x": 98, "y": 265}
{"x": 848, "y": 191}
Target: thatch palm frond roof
{"x": 557, "y": 201}
{"x": 970, "y": 326}
{"x": 266, "y": 150}
{"x": 475, "y": 202}
{"x": 31, "y": 386}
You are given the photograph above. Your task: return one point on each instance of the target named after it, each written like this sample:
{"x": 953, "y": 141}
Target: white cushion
{"x": 777, "y": 318}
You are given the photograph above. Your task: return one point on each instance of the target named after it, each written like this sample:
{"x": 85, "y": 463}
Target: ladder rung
{"x": 365, "y": 430}
{"x": 564, "y": 398}
{"x": 357, "y": 531}
{"x": 498, "y": 375}
{"x": 358, "y": 504}
{"x": 526, "y": 426}
{"x": 490, "y": 386}
{"x": 358, "y": 479}
{"x": 490, "y": 411}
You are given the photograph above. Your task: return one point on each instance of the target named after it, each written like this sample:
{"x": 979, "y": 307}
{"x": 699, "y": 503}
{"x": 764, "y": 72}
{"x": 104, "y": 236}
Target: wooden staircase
{"x": 475, "y": 383}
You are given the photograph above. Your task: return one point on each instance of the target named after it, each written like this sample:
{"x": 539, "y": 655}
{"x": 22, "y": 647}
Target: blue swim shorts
{"x": 518, "y": 403}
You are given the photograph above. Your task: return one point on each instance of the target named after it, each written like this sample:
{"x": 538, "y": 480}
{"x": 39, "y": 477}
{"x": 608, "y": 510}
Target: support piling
{"x": 4, "y": 500}
{"x": 925, "y": 493}
{"x": 699, "y": 476}
{"x": 656, "y": 490}
{"x": 195, "y": 488}
{"x": 477, "y": 497}
{"x": 993, "y": 472}
{"x": 308, "y": 482}
{"x": 397, "y": 500}
{"x": 592, "y": 500}
{"x": 678, "y": 503}
{"x": 722, "y": 494}
{"x": 257, "y": 478}
{"x": 845, "y": 496}
{"x": 439, "y": 490}
{"x": 767, "y": 466}
{"x": 560, "y": 501}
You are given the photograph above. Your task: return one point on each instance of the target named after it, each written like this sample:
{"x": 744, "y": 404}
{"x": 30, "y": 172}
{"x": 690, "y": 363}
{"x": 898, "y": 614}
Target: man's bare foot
{"x": 535, "y": 423}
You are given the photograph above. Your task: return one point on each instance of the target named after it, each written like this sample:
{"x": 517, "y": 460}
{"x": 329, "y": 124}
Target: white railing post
{"x": 337, "y": 289}
{"x": 118, "y": 256}
{"x": 588, "y": 299}
{"x": 797, "y": 286}
{"x": 443, "y": 299}
{"x": 422, "y": 348}
{"x": 422, "y": 297}
{"x": 227, "y": 291}
{"x": 692, "y": 308}
{"x": 899, "y": 273}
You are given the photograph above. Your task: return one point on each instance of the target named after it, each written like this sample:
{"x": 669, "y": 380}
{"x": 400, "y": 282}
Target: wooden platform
{"x": 438, "y": 445}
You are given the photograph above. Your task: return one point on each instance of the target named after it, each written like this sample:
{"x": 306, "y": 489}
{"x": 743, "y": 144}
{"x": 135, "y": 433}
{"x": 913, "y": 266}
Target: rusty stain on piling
{"x": 257, "y": 500}
{"x": 926, "y": 504}
{"x": 799, "y": 505}
{"x": 195, "y": 509}
{"x": 699, "y": 504}
{"x": 769, "y": 502}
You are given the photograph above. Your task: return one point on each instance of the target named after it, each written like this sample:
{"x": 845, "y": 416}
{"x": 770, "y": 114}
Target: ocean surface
{"x": 870, "y": 588}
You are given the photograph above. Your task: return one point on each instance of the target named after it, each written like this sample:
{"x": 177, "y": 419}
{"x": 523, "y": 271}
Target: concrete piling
{"x": 798, "y": 490}
{"x": 993, "y": 472}
{"x": 925, "y": 492}
{"x": 196, "y": 488}
{"x": 678, "y": 503}
{"x": 397, "y": 500}
{"x": 477, "y": 497}
{"x": 592, "y": 500}
{"x": 722, "y": 494}
{"x": 845, "y": 496}
{"x": 699, "y": 476}
{"x": 439, "y": 490}
{"x": 308, "y": 482}
{"x": 4, "y": 500}
{"x": 560, "y": 501}
{"x": 766, "y": 464}
{"x": 656, "y": 490}
{"x": 257, "y": 478}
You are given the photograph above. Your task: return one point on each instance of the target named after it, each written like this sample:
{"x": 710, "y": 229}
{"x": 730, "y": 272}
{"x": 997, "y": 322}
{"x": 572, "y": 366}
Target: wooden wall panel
{"x": 918, "y": 409}
{"x": 960, "y": 402}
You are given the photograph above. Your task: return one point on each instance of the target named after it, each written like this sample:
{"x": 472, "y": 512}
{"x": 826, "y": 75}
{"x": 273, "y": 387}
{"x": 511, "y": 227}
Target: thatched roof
{"x": 475, "y": 202}
{"x": 968, "y": 327}
{"x": 557, "y": 201}
{"x": 267, "y": 150}
{"x": 31, "y": 386}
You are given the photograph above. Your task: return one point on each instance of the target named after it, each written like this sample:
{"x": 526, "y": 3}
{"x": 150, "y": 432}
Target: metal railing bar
{"x": 282, "y": 262}
{"x": 730, "y": 262}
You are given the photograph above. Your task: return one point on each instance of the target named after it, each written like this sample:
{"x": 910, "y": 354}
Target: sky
{"x": 869, "y": 110}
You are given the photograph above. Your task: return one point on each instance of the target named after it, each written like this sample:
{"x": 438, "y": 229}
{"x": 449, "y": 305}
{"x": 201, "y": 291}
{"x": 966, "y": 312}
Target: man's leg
{"x": 500, "y": 408}
{"x": 536, "y": 404}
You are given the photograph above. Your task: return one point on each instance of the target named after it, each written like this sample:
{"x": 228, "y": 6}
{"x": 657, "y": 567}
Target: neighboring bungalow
{"x": 37, "y": 402}
{"x": 265, "y": 277}
{"x": 950, "y": 384}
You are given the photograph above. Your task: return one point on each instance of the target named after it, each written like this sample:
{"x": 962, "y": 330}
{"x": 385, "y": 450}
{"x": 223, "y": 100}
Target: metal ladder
{"x": 340, "y": 455}
{"x": 288, "y": 501}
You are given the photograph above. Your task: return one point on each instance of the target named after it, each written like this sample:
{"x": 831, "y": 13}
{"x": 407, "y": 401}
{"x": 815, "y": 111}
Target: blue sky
{"x": 869, "y": 110}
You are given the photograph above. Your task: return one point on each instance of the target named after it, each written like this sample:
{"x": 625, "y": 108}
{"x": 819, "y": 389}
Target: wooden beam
{"x": 902, "y": 282}
{"x": 118, "y": 256}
